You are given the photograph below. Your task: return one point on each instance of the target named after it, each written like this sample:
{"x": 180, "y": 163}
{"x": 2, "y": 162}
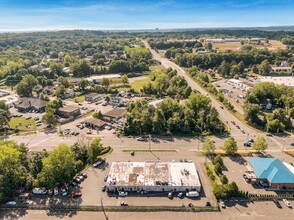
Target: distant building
{"x": 285, "y": 69}
{"x": 27, "y": 104}
{"x": 69, "y": 111}
{"x": 95, "y": 123}
{"x": 153, "y": 176}
{"x": 283, "y": 80}
{"x": 214, "y": 40}
{"x": 270, "y": 172}
{"x": 97, "y": 79}
{"x": 92, "y": 97}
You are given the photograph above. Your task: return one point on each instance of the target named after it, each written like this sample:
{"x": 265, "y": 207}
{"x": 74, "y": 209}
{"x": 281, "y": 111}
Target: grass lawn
{"x": 276, "y": 45}
{"x": 226, "y": 46}
{"x": 138, "y": 84}
{"x": 22, "y": 124}
{"x": 80, "y": 98}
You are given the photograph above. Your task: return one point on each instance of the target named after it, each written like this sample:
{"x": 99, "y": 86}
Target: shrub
{"x": 218, "y": 159}
{"x": 224, "y": 179}
{"x": 218, "y": 168}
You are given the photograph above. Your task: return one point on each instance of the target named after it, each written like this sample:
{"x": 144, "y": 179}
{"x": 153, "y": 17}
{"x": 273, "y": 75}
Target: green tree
{"x": 58, "y": 168}
{"x": 264, "y": 68}
{"x": 94, "y": 150}
{"x": 260, "y": 144}
{"x": 230, "y": 146}
{"x": 218, "y": 159}
{"x": 98, "y": 115}
{"x": 208, "y": 146}
{"x": 124, "y": 79}
{"x": 60, "y": 91}
{"x": 4, "y": 114}
{"x": 49, "y": 118}
{"x": 25, "y": 87}
{"x": 218, "y": 168}
{"x": 83, "y": 84}
{"x": 63, "y": 81}
{"x": 105, "y": 82}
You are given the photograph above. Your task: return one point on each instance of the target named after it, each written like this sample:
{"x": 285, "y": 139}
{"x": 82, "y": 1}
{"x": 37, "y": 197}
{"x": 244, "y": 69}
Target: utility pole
{"x": 149, "y": 139}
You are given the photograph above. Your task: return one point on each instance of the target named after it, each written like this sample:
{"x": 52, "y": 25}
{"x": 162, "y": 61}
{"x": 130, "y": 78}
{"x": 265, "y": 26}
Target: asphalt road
{"x": 224, "y": 114}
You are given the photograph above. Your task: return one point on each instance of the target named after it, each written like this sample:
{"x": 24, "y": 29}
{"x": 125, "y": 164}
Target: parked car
{"x": 39, "y": 191}
{"x": 77, "y": 180}
{"x": 124, "y": 203}
{"x": 10, "y": 203}
{"x": 250, "y": 140}
{"x": 103, "y": 188}
{"x": 287, "y": 203}
{"x": 192, "y": 194}
{"x": 105, "y": 178}
{"x": 181, "y": 195}
{"x": 123, "y": 194}
{"x": 28, "y": 117}
{"x": 55, "y": 191}
{"x": 247, "y": 144}
{"x": 64, "y": 192}
{"x": 222, "y": 204}
{"x": 277, "y": 203}
{"x": 269, "y": 135}
{"x": 76, "y": 195}
{"x": 85, "y": 175}
{"x": 292, "y": 144}
{"x": 141, "y": 139}
{"x": 98, "y": 163}
{"x": 170, "y": 195}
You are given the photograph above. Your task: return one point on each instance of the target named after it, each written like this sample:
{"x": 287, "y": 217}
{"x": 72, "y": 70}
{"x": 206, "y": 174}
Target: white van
{"x": 192, "y": 194}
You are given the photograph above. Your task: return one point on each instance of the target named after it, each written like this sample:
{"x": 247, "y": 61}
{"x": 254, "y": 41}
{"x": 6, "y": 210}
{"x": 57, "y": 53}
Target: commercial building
{"x": 153, "y": 176}
{"x": 114, "y": 114}
{"x": 69, "y": 111}
{"x": 27, "y": 104}
{"x": 270, "y": 172}
{"x": 95, "y": 123}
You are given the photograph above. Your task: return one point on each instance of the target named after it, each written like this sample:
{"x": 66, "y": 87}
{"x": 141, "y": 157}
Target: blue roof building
{"x": 276, "y": 173}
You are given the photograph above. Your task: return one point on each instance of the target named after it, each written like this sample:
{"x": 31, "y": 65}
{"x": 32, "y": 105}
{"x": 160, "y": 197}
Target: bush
{"x": 224, "y": 179}
{"x": 218, "y": 159}
{"x": 218, "y": 168}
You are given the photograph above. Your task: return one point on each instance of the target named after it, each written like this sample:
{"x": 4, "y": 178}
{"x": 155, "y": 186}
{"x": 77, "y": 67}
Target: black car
{"x": 277, "y": 203}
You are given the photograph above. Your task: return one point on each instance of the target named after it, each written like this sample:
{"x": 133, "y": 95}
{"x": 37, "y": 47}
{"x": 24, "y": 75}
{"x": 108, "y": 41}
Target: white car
{"x": 287, "y": 203}
{"x": 123, "y": 194}
{"x": 10, "y": 203}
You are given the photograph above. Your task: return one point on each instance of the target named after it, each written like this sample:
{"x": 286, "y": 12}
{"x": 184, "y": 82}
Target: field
{"x": 235, "y": 46}
{"x": 80, "y": 98}
{"x": 138, "y": 84}
{"x": 23, "y": 124}
{"x": 226, "y": 46}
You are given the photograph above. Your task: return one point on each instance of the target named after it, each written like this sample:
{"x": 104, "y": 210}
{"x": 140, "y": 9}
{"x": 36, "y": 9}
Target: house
{"x": 92, "y": 97}
{"x": 27, "y": 104}
{"x": 69, "y": 111}
{"x": 114, "y": 114}
{"x": 48, "y": 90}
{"x": 95, "y": 123}
{"x": 270, "y": 172}
{"x": 69, "y": 93}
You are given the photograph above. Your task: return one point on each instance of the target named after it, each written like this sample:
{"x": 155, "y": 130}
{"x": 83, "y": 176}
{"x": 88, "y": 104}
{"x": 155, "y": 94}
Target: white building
{"x": 153, "y": 176}
{"x": 97, "y": 79}
{"x": 239, "y": 84}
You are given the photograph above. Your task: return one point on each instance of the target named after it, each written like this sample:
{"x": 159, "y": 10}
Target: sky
{"x": 32, "y": 15}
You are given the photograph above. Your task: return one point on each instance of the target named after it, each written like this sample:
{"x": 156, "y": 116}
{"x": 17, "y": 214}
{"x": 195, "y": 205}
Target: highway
{"x": 224, "y": 114}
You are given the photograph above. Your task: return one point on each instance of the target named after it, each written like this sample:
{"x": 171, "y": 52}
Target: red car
{"x": 76, "y": 195}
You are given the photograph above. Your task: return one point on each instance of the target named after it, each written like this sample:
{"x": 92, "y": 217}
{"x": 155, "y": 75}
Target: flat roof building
{"x": 153, "y": 176}
{"x": 283, "y": 80}
{"x": 26, "y": 104}
{"x": 69, "y": 111}
{"x": 92, "y": 97}
{"x": 97, "y": 79}
{"x": 114, "y": 114}
{"x": 277, "y": 174}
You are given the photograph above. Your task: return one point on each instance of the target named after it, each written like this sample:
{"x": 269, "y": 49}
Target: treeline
{"x": 167, "y": 83}
{"x": 248, "y": 55}
{"x": 270, "y": 106}
{"x": 220, "y": 33}
{"x": 20, "y": 169}
{"x": 196, "y": 116}
{"x": 163, "y": 45}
